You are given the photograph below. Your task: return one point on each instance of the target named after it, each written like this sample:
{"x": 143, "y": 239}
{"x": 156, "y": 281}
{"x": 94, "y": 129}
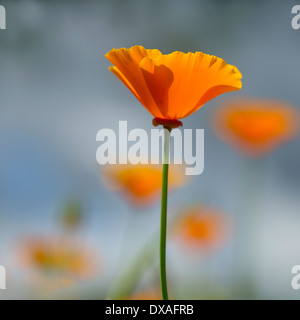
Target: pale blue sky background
{"x": 56, "y": 93}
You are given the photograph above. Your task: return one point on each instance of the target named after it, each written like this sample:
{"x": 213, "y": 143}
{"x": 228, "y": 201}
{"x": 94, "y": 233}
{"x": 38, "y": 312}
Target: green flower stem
{"x": 163, "y": 225}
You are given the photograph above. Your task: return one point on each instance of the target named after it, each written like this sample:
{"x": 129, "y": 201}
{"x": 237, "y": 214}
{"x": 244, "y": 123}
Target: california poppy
{"x": 171, "y": 87}
{"x": 201, "y": 227}
{"x": 140, "y": 184}
{"x": 255, "y": 126}
{"x": 175, "y": 85}
{"x": 146, "y": 294}
{"x": 56, "y": 257}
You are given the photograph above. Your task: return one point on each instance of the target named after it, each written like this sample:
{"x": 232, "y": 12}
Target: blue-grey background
{"x": 56, "y": 93}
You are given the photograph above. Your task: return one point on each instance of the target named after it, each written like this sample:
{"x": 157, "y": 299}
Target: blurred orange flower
{"x": 56, "y": 256}
{"x": 175, "y": 85}
{"x": 141, "y": 184}
{"x": 201, "y": 226}
{"x": 148, "y": 294}
{"x": 256, "y": 127}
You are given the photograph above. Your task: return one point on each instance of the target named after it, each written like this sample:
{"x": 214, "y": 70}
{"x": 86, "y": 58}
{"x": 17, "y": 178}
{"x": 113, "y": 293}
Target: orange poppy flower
{"x": 148, "y": 294}
{"x": 255, "y": 127}
{"x": 141, "y": 184}
{"x": 203, "y": 227}
{"x": 175, "y": 85}
{"x": 56, "y": 256}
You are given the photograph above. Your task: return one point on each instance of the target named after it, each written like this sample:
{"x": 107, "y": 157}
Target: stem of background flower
{"x": 163, "y": 224}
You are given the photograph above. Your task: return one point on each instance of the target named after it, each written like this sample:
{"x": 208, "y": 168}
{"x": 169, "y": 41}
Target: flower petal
{"x": 126, "y": 62}
{"x": 159, "y": 79}
{"x": 121, "y": 77}
{"x": 197, "y": 78}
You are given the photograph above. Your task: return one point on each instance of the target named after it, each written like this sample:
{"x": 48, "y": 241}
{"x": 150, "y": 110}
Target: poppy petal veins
{"x": 175, "y": 85}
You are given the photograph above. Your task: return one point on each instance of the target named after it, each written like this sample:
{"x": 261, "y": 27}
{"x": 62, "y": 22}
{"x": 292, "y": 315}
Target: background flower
{"x": 57, "y": 256}
{"x": 141, "y": 184}
{"x": 256, "y": 126}
{"x": 146, "y": 294}
{"x": 201, "y": 228}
